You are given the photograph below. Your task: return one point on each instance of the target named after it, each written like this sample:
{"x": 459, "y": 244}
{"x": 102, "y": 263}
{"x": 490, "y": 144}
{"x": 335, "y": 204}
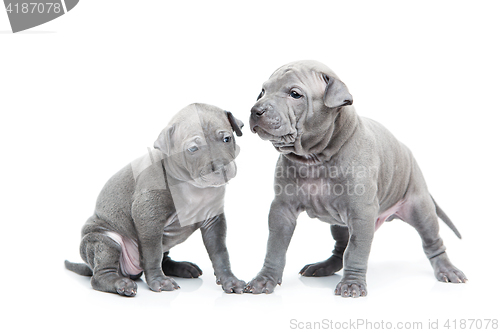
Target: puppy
{"x": 158, "y": 201}
{"x": 343, "y": 169}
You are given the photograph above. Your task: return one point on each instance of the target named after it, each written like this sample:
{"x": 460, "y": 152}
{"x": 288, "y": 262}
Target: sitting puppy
{"x": 158, "y": 201}
{"x": 343, "y": 169}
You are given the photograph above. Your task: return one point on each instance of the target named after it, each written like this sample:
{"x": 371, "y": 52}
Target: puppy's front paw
{"x": 354, "y": 288}
{"x": 262, "y": 284}
{"x": 231, "y": 284}
{"x": 164, "y": 283}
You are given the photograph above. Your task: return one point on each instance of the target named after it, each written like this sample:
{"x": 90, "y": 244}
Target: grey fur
{"x": 343, "y": 169}
{"x": 137, "y": 219}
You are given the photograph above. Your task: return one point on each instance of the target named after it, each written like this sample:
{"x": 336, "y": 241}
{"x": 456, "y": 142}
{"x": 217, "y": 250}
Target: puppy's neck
{"x": 346, "y": 124}
{"x": 175, "y": 173}
{"x": 342, "y": 129}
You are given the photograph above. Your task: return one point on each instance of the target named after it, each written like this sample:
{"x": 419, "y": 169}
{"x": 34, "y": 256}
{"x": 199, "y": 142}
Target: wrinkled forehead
{"x": 306, "y": 78}
{"x": 213, "y": 123}
{"x": 200, "y": 123}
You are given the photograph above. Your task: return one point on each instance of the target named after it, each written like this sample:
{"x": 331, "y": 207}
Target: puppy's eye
{"x": 261, "y": 94}
{"x": 227, "y": 139}
{"x": 295, "y": 94}
{"x": 192, "y": 149}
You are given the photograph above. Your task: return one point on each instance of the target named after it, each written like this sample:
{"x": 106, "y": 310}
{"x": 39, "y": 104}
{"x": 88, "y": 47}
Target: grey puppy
{"x": 343, "y": 169}
{"x": 158, "y": 201}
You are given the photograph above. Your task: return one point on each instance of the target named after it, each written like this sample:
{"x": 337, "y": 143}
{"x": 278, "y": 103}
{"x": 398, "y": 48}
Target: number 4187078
{"x": 34, "y": 8}
{"x": 471, "y": 323}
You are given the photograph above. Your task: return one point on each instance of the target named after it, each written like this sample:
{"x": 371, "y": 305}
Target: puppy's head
{"x": 297, "y": 106}
{"x": 199, "y": 145}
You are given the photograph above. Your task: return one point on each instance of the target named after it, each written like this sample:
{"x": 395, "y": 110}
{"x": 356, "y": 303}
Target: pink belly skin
{"x": 391, "y": 211}
{"x": 129, "y": 257}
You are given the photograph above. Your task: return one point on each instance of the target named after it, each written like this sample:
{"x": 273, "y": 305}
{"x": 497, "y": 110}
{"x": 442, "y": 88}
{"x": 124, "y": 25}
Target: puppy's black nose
{"x": 218, "y": 167}
{"x": 259, "y": 110}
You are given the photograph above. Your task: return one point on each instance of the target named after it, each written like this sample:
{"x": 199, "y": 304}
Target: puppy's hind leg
{"x": 183, "y": 269}
{"x": 335, "y": 263}
{"x": 420, "y": 212}
{"x": 102, "y": 254}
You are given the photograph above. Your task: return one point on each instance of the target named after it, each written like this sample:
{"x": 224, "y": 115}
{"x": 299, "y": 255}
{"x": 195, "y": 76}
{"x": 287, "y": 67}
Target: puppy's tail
{"x": 442, "y": 215}
{"x": 81, "y": 269}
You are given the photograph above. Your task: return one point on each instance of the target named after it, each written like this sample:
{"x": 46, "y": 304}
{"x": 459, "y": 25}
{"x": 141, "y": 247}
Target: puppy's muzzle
{"x": 258, "y": 111}
{"x": 218, "y": 167}
{"x": 217, "y": 173}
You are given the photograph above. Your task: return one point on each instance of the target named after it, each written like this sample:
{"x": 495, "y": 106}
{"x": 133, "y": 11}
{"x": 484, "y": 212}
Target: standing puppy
{"x": 343, "y": 169}
{"x": 158, "y": 201}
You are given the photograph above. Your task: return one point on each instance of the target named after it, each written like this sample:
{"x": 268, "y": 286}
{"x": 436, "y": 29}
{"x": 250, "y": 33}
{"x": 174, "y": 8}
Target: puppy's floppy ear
{"x": 164, "y": 141}
{"x": 236, "y": 124}
{"x": 336, "y": 93}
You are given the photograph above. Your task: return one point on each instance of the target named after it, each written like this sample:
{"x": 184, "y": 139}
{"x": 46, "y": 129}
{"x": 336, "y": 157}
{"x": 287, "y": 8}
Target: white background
{"x": 85, "y": 94}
